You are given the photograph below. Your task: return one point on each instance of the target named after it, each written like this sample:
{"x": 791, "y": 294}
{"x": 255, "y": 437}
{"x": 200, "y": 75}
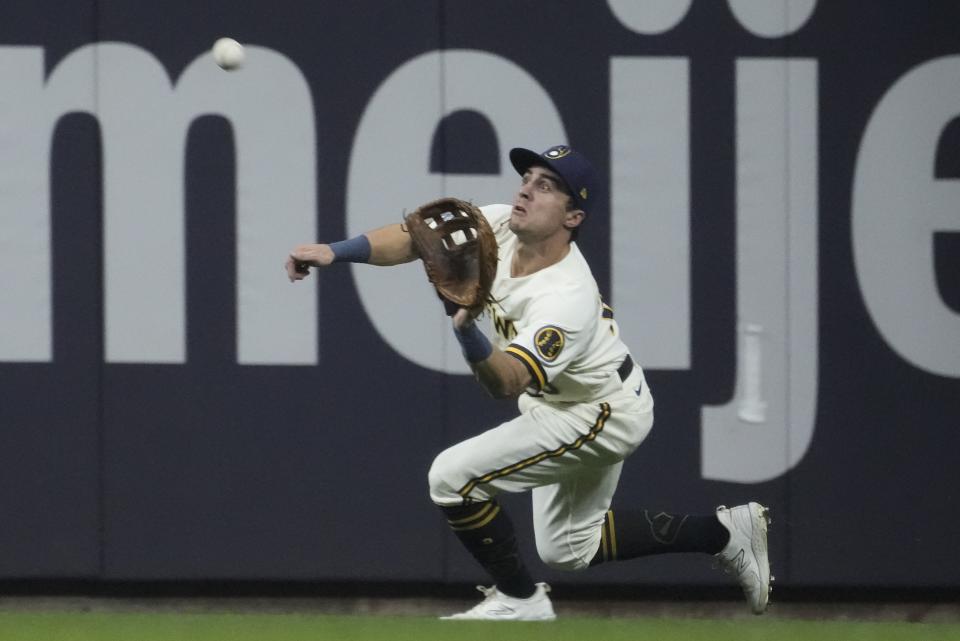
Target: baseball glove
{"x": 458, "y": 249}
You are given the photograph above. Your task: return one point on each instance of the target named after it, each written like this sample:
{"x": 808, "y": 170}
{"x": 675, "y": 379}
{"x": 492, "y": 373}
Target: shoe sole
{"x": 758, "y": 545}
{"x": 504, "y": 619}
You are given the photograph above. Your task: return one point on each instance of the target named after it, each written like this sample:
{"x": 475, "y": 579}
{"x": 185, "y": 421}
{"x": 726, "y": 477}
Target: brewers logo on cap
{"x": 549, "y": 341}
{"x": 556, "y": 152}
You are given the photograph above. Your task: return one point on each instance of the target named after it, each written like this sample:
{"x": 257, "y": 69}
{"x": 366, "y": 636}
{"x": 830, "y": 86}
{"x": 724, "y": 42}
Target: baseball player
{"x": 584, "y": 406}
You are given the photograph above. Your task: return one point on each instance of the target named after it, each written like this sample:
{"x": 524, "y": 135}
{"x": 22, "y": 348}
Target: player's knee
{"x": 441, "y": 479}
{"x": 561, "y": 559}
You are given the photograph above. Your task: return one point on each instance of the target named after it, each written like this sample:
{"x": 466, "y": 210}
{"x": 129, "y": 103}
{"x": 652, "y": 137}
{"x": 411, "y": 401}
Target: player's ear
{"x": 574, "y": 218}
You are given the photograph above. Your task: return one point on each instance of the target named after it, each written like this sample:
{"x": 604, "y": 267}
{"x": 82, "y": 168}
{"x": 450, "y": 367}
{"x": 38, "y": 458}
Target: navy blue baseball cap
{"x": 573, "y": 168}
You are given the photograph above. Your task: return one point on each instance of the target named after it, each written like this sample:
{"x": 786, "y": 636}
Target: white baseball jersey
{"x": 554, "y": 322}
{"x": 577, "y": 423}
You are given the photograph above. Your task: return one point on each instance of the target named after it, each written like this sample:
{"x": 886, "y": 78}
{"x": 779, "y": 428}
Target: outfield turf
{"x": 107, "y": 626}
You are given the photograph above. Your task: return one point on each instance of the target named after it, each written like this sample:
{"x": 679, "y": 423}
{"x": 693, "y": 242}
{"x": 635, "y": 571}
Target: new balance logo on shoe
{"x": 740, "y": 562}
{"x": 501, "y": 610}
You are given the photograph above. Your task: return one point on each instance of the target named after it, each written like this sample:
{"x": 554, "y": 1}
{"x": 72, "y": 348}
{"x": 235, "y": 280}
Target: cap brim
{"x": 523, "y": 159}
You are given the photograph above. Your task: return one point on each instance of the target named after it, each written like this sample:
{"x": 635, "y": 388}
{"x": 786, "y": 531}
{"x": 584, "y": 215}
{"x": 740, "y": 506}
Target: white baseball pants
{"x": 570, "y": 456}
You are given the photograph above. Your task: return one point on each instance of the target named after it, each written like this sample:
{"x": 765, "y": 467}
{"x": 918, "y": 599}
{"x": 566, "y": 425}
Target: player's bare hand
{"x": 463, "y": 318}
{"x": 303, "y": 257}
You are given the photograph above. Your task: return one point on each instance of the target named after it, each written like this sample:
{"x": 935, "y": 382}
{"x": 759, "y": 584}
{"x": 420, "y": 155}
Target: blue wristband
{"x": 476, "y": 347}
{"x": 355, "y": 250}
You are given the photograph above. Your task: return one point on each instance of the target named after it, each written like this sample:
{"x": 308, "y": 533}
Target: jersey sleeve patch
{"x": 549, "y": 342}
{"x": 534, "y": 366}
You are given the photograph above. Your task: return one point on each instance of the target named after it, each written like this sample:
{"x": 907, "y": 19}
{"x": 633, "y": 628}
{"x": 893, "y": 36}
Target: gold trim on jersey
{"x": 542, "y": 456}
{"x": 533, "y": 365}
{"x": 477, "y": 520}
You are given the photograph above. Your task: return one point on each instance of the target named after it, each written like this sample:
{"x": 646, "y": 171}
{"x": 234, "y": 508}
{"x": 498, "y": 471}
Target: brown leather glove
{"x": 458, "y": 249}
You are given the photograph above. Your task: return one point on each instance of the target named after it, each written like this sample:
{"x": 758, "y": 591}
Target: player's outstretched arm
{"x": 501, "y": 375}
{"x": 385, "y": 246}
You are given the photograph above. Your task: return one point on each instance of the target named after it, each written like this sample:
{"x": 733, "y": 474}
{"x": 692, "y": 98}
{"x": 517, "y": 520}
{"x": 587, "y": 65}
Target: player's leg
{"x": 575, "y": 530}
{"x": 516, "y": 456}
{"x": 577, "y": 509}
{"x": 631, "y": 533}
{"x": 736, "y": 536}
{"x": 487, "y": 533}
{"x": 568, "y": 516}
{"x": 575, "y": 527}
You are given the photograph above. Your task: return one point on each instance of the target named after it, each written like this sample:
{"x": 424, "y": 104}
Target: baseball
{"x": 228, "y": 53}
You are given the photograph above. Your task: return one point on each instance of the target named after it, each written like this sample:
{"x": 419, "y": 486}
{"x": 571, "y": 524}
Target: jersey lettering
{"x": 502, "y": 326}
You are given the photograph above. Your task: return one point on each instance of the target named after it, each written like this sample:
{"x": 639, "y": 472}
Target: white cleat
{"x": 497, "y": 606}
{"x": 745, "y": 556}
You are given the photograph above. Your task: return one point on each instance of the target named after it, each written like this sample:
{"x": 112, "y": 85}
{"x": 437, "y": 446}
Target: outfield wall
{"x": 780, "y": 240}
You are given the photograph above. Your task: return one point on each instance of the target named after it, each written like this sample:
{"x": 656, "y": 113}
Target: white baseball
{"x": 228, "y": 53}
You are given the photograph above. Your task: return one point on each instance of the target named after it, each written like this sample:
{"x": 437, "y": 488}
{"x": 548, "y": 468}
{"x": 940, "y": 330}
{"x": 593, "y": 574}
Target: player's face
{"x": 541, "y": 207}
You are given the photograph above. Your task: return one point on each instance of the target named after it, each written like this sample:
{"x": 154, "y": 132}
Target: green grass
{"x": 108, "y": 626}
